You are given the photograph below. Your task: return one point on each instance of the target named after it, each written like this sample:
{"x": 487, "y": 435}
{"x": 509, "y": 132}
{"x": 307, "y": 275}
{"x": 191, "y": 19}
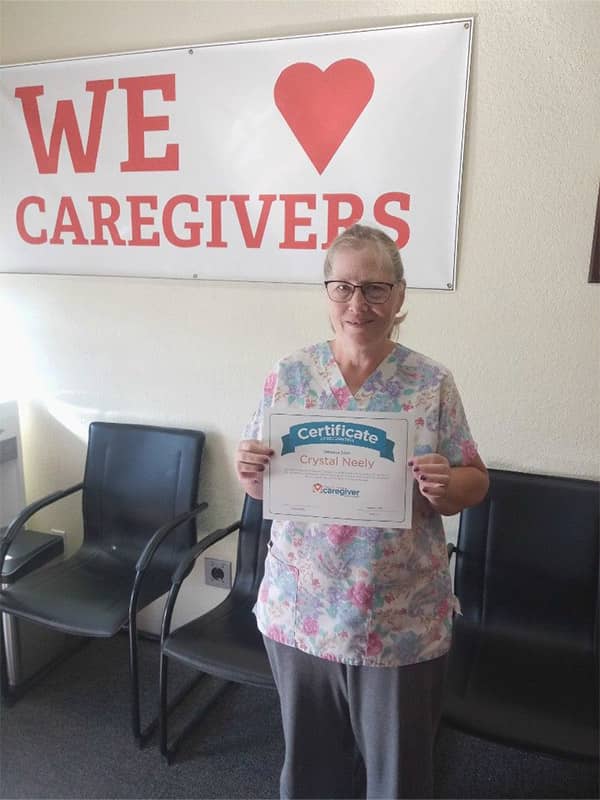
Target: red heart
{"x": 321, "y": 107}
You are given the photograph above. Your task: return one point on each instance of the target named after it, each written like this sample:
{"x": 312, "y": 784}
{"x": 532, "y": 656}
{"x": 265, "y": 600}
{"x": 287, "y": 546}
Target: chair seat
{"x": 224, "y": 642}
{"x": 87, "y": 594}
{"x": 525, "y": 694}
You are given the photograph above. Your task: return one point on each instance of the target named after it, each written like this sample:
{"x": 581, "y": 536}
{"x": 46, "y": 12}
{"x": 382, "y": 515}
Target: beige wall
{"x": 520, "y": 333}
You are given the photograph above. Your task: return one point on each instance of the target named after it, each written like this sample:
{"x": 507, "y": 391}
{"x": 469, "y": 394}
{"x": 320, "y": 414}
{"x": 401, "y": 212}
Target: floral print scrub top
{"x": 364, "y": 596}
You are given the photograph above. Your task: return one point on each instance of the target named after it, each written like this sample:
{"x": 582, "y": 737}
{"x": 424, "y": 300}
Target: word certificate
{"x": 339, "y": 467}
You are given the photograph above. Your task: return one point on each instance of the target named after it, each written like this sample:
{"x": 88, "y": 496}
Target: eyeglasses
{"x": 374, "y": 293}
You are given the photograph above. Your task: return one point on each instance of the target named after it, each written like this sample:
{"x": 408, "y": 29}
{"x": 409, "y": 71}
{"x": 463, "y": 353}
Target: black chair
{"x": 523, "y": 666}
{"x": 224, "y": 642}
{"x": 139, "y": 503}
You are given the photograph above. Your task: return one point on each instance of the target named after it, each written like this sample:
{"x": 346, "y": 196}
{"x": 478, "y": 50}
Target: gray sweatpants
{"x": 339, "y": 721}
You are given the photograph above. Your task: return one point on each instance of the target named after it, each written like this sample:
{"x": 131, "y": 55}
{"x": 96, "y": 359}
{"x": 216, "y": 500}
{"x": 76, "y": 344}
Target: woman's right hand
{"x": 251, "y": 460}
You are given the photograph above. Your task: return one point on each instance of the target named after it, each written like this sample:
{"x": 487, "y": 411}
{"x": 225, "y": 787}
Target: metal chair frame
{"x": 11, "y": 695}
{"x": 250, "y": 579}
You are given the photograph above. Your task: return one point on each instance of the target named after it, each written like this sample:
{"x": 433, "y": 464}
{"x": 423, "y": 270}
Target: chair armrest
{"x": 162, "y": 533}
{"x": 147, "y": 553}
{"x": 183, "y": 570}
{"x": 191, "y": 556}
{"x": 17, "y": 524}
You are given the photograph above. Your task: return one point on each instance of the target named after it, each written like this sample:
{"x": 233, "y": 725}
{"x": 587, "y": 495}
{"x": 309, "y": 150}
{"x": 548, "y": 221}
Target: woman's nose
{"x": 357, "y": 301}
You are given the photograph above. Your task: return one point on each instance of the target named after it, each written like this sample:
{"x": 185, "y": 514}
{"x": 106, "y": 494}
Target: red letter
{"x": 66, "y": 208}
{"x": 239, "y": 201}
{"x": 193, "y": 227}
{"x": 399, "y": 225}
{"x": 291, "y": 221}
{"x": 216, "y": 216}
{"x": 137, "y": 221}
{"x": 65, "y": 122}
{"x": 138, "y": 124}
{"x": 108, "y": 222}
{"x": 27, "y": 237}
{"x": 335, "y": 223}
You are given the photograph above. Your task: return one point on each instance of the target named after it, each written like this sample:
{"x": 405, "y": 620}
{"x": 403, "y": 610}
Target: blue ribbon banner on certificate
{"x": 340, "y": 467}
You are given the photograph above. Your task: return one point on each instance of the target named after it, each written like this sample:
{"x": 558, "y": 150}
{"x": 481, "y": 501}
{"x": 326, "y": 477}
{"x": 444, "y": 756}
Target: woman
{"x": 357, "y": 621}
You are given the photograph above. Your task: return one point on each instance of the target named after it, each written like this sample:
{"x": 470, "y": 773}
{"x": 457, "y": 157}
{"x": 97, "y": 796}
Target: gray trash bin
{"x": 30, "y": 647}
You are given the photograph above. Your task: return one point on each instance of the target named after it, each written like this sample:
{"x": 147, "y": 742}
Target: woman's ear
{"x": 401, "y": 295}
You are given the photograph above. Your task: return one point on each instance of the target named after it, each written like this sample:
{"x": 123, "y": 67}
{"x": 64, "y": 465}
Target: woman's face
{"x": 357, "y": 321}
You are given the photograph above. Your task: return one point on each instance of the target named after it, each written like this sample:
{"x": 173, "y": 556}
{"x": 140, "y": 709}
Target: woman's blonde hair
{"x": 358, "y": 236}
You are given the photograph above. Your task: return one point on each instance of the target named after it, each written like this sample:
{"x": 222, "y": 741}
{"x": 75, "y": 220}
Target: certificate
{"x": 339, "y": 467}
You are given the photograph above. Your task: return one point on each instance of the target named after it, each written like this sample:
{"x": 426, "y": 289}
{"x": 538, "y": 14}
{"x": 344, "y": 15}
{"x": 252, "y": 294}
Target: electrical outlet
{"x": 217, "y": 572}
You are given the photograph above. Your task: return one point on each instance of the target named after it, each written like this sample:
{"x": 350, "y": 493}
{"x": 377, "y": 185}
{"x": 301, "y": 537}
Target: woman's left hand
{"x": 432, "y": 474}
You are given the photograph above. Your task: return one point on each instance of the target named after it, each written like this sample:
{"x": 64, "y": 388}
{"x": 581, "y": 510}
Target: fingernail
{"x": 426, "y": 490}
{"x": 417, "y": 469}
{"x": 421, "y": 477}
{"x": 410, "y": 463}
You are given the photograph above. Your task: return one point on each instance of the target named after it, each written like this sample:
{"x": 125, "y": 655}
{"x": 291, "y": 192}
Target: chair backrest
{"x": 253, "y": 538}
{"x": 527, "y": 560}
{"x": 136, "y": 479}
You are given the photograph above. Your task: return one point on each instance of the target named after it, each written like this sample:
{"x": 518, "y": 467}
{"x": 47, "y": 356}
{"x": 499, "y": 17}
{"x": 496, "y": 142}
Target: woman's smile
{"x": 359, "y": 323}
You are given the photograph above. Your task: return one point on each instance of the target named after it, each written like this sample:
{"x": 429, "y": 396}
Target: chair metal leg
{"x": 168, "y": 753}
{"x": 163, "y": 713}
{"x": 136, "y": 724}
{"x": 166, "y": 707}
{"x": 4, "y": 686}
{"x": 142, "y": 735}
{"x": 11, "y": 694}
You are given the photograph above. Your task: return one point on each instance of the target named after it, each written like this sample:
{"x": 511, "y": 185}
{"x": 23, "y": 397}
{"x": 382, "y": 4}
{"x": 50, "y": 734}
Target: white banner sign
{"x": 237, "y": 161}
